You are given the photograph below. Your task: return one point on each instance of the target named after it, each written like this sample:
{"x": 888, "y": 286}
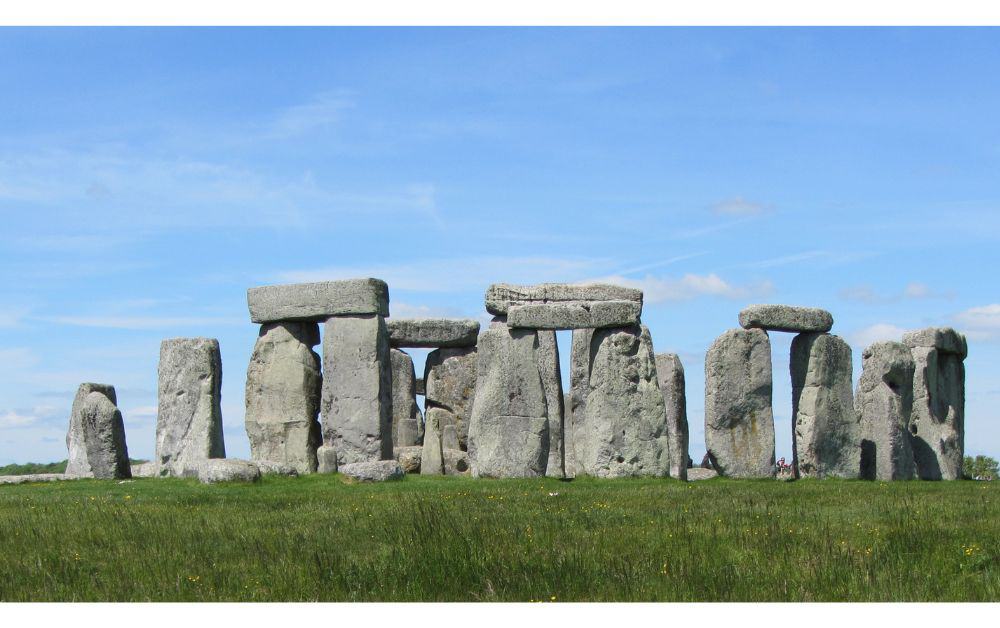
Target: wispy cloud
{"x": 980, "y": 323}
{"x": 862, "y": 338}
{"x": 322, "y": 112}
{"x": 142, "y": 322}
{"x": 697, "y": 232}
{"x": 828, "y": 258}
{"x": 11, "y": 419}
{"x": 912, "y": 291}
{"x": 690, "y": 286}
{"x": 738, "y": 206}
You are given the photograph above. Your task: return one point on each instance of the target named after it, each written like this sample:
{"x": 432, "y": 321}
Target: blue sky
{"x": 149, "y": 176}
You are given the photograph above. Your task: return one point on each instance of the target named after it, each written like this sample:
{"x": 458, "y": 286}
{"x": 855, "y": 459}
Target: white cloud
{"x": 830, "y": 258}
{"x": 738, "y": 206}
{"x": 11, "y": 419}
{"x": 689, "y": 286}
{"x": 142, "y": 322}
{"x": 913, "y": 290}
{"x": 141, "y": 415}
{"x": 321, "y": 112}
{"x": 865, "y": 336}
{"x": 980, "y": 323}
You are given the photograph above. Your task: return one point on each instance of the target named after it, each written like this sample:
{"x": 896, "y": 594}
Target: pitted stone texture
{"x": 326, "y": 459}
{"x": 282, "y": 395}
{"x": 271, "y": 467}
{"x": 944, "y": 339}
{"x": 189, "y": 412}
{"x": 456, "y": 462}
{"x": 317, "y": 302}
{"x": 96, "y": 436}
{"x": 884, "y": 402}
{"x": 408, "y": 458}
{"x": 698, "y": 473}
{"x": 509, "y": 429}
{"x": 937, "y": 424}
{"x": 572, "y": 315}
{"x": 226, "y": 470}
{"x": 500, "y": 297}
{"x": 407, "y": 421}
{"x": 547, "y": 357}
{"x": 36, "y": 477}
{"x": 357, "y": 389}
{"x": 432, "y": 333}
{"x": 145, "y": 470}
{"x": 373, "y": 471}
{"x": 826, "y": 434}
{"x": 579, "y": 388}
{"x": 786, "y": 318}
{"x": 739, "y": 423}
{"x": 450, "y": 384}
{"x": 670, "y": 373}
{"x": 623, "y": 432}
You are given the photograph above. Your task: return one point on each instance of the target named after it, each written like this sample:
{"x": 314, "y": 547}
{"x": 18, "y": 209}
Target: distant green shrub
{"x": 980, "y": 468}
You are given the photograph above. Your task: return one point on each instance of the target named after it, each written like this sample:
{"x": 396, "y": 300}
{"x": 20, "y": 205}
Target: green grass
{"x": 31, "y": 468}
{"x": 452, "y": 539}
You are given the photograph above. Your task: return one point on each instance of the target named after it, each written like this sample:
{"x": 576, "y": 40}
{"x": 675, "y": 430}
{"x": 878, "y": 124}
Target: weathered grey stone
{"x": 408, "y": 458}
{"x": 786, "y": 318}
{"x": 623, "y": 431}
{"x": 826, "y": 435}
{"x": 326, "y": 459}
{"x": 884, "y": 402}
{"x": 432, "y": 333}
{"x": 271, "y": 467}
{"x": 407, "y": 421}
{"x": 283, "y": 394}
{"x": 36, "y": 477}
{"x": 739, "y": 423}
{"x": 670, "y": 373}
{"x": 419, "y": 387}
{"x": 450, "y": 382}
{"x": 145, "y": 470}
{"x": 96, "y": 436}
{"x": 509, "y": 428}
{"x": 547, "y": 358}
{"x": 431, "y": 455}
{"x": 318, "y": 301}
{"x": 456, "y": 462}
{"x": 579, "y": 388}
{"x": 500, "y": 297}
{"x": 357, "y": 389}
{"x": 189, "y": 413}
{"x": 575, "y": 315}
{"x": 944, "y": 339}
{"x": 937, "y": 424}
{"x": 214, "y": 470}
{"x": 373, "y": 471}
{"x": 696, "y": 473}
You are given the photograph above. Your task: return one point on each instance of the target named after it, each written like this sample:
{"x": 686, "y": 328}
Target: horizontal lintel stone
{"x": 500, "y": 297}
{"x": 944, "y": 339}
{"x": 318, "y": 301}
{"x": 786, "y": 318}
{"x": 578, "y": 315}
{"x": 432, "y": 333}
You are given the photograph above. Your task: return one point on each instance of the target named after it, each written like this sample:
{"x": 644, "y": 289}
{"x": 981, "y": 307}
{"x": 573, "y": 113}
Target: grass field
{"x": 456, "y": 539}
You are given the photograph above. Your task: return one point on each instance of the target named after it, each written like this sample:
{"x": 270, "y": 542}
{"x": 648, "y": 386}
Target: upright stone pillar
{"x": 623, "y": 432}
{"x": 96, "y": 437}
{"x": 189, "y": 412}
{"x": 739, "y": 423}
{"x": 548, "y": 368}
{"x": 357, "y": 389}
{"x": 450, "y": 388}
{"x": 579, "y": 388}
{"x": 407, "y": 421}
{"x": 826, "y": 435}
{"x": 670, "y": 373}
{"x": 937, "y": 425}
{"x": 283, "y": 395}
{"x": 884, "y": 402}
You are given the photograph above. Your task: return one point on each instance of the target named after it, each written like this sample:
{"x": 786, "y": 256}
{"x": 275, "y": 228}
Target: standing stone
{"x": 548, "y": 367}
{"x": 432, "y": 455}
{"x": 96, "y": 437}
{"x": 826, "y": 435}
{"x": 450, "y": 388}
{"x": 282, "y": 396}
{"x": 623, "y": 431}
{"x": 189, "y": 413}
{"x": 739, "y": 423}
{"x": 357, "y": 389}
{"x": 509, "y": 426}
{"x": 407, "y": 421}
{"x": 579, "y": 388}
{"x": 937, "y": 425}
{"x": 884, "y": 401}
{"x": 670, "y": 373}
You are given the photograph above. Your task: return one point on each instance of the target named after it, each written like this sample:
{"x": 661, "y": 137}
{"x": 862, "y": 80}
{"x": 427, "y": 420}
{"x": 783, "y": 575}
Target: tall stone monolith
{"x": 884, "y": 402}
{"x": 283, "y": 390}
{"x": 189, "y": 410}
{"x": 739, "y": 422}
{"x": 548, "y": 368}
{"x": 826, "y": 434}
{"x": 96, "y": 436}
{"x": 407, "y": 420}
{"x": 670, "y": 373}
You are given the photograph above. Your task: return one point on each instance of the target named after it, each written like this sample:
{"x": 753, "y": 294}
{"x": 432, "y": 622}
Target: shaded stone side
{"x": 826, "y": 434}
{"x": 509, "y": 427}
{"x": 189, "y": 410}
{"x": 937, "y": 424}
{"x": 500, "y": 297}
{"x": 623, "y": 430}
{"x": 450, "y": 385}
{"x": 884, "y": 402}
{"x": 357, "y": 389}
{"x": 96, "y": 436}
{"x": 283, "y": 390}
{"x": 739, "y": 421}
{"x": 579, "y": 388}
{"x": 670, "y": 373}
{"x": 432, "y": 333}
{"x": 548, "y": 368}
{"x": 407, "y": 421}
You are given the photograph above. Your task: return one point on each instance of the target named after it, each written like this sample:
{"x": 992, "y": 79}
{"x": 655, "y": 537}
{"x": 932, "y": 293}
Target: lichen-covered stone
{"x": 96, "y": 436}
{"x": 450, "y": 385}
{"x": 739, "y": 422}
{"x": 573, "y": 315}
{"x": 319, "y": 301}
{"x": 373, "y": 471}
{"x": 189, "y": 412}
{"x": 786, "y": 318}
{"x": 409, "y": 458}
{"x": 407, "y": 420}
{"x": 884, "y": 402}
{"x": 826, "y": 435}
{"x": 670, "y": 373}
{"x": 697, "y": 473}
{"x": 432, "y": 333}
{"x": 210, "y": 471}
{"x": 500, "y": 297}
{"x": 283, "y": 390}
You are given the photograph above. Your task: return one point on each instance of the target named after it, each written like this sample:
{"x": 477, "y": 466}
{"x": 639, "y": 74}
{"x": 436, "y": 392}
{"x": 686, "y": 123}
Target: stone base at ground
{"x": 373, "y": 471}
{"x": 227, "y": 470}
{"x": 884, "y": 402}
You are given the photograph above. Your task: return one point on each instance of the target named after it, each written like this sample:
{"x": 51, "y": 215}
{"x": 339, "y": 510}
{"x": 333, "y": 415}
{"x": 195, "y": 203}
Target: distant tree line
{"x": 980, "y": 468}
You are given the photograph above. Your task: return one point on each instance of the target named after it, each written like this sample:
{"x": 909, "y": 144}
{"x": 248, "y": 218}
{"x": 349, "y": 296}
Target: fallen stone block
{"x": 271, "y": 467}
{"x": 408, "y": 458}
{"x": 500, "y": 297}
{"x": 373, "y": 471}
{"x": 145, "y": 470}
{"x": 696, "y": 473}
{"x": 884, "y": 403}
{"x": 317, "y": 302}
{"x": 96, "y": 436}
{"x": 570, "y": 315}
{"x": 456, "y": 462}
{"x": 226, "y": 470}
{"x": 786, "y": 318}
{"x": 432, "y": 333}
{"x": 36, "y": 477}
{"x": 670, "y": 373}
